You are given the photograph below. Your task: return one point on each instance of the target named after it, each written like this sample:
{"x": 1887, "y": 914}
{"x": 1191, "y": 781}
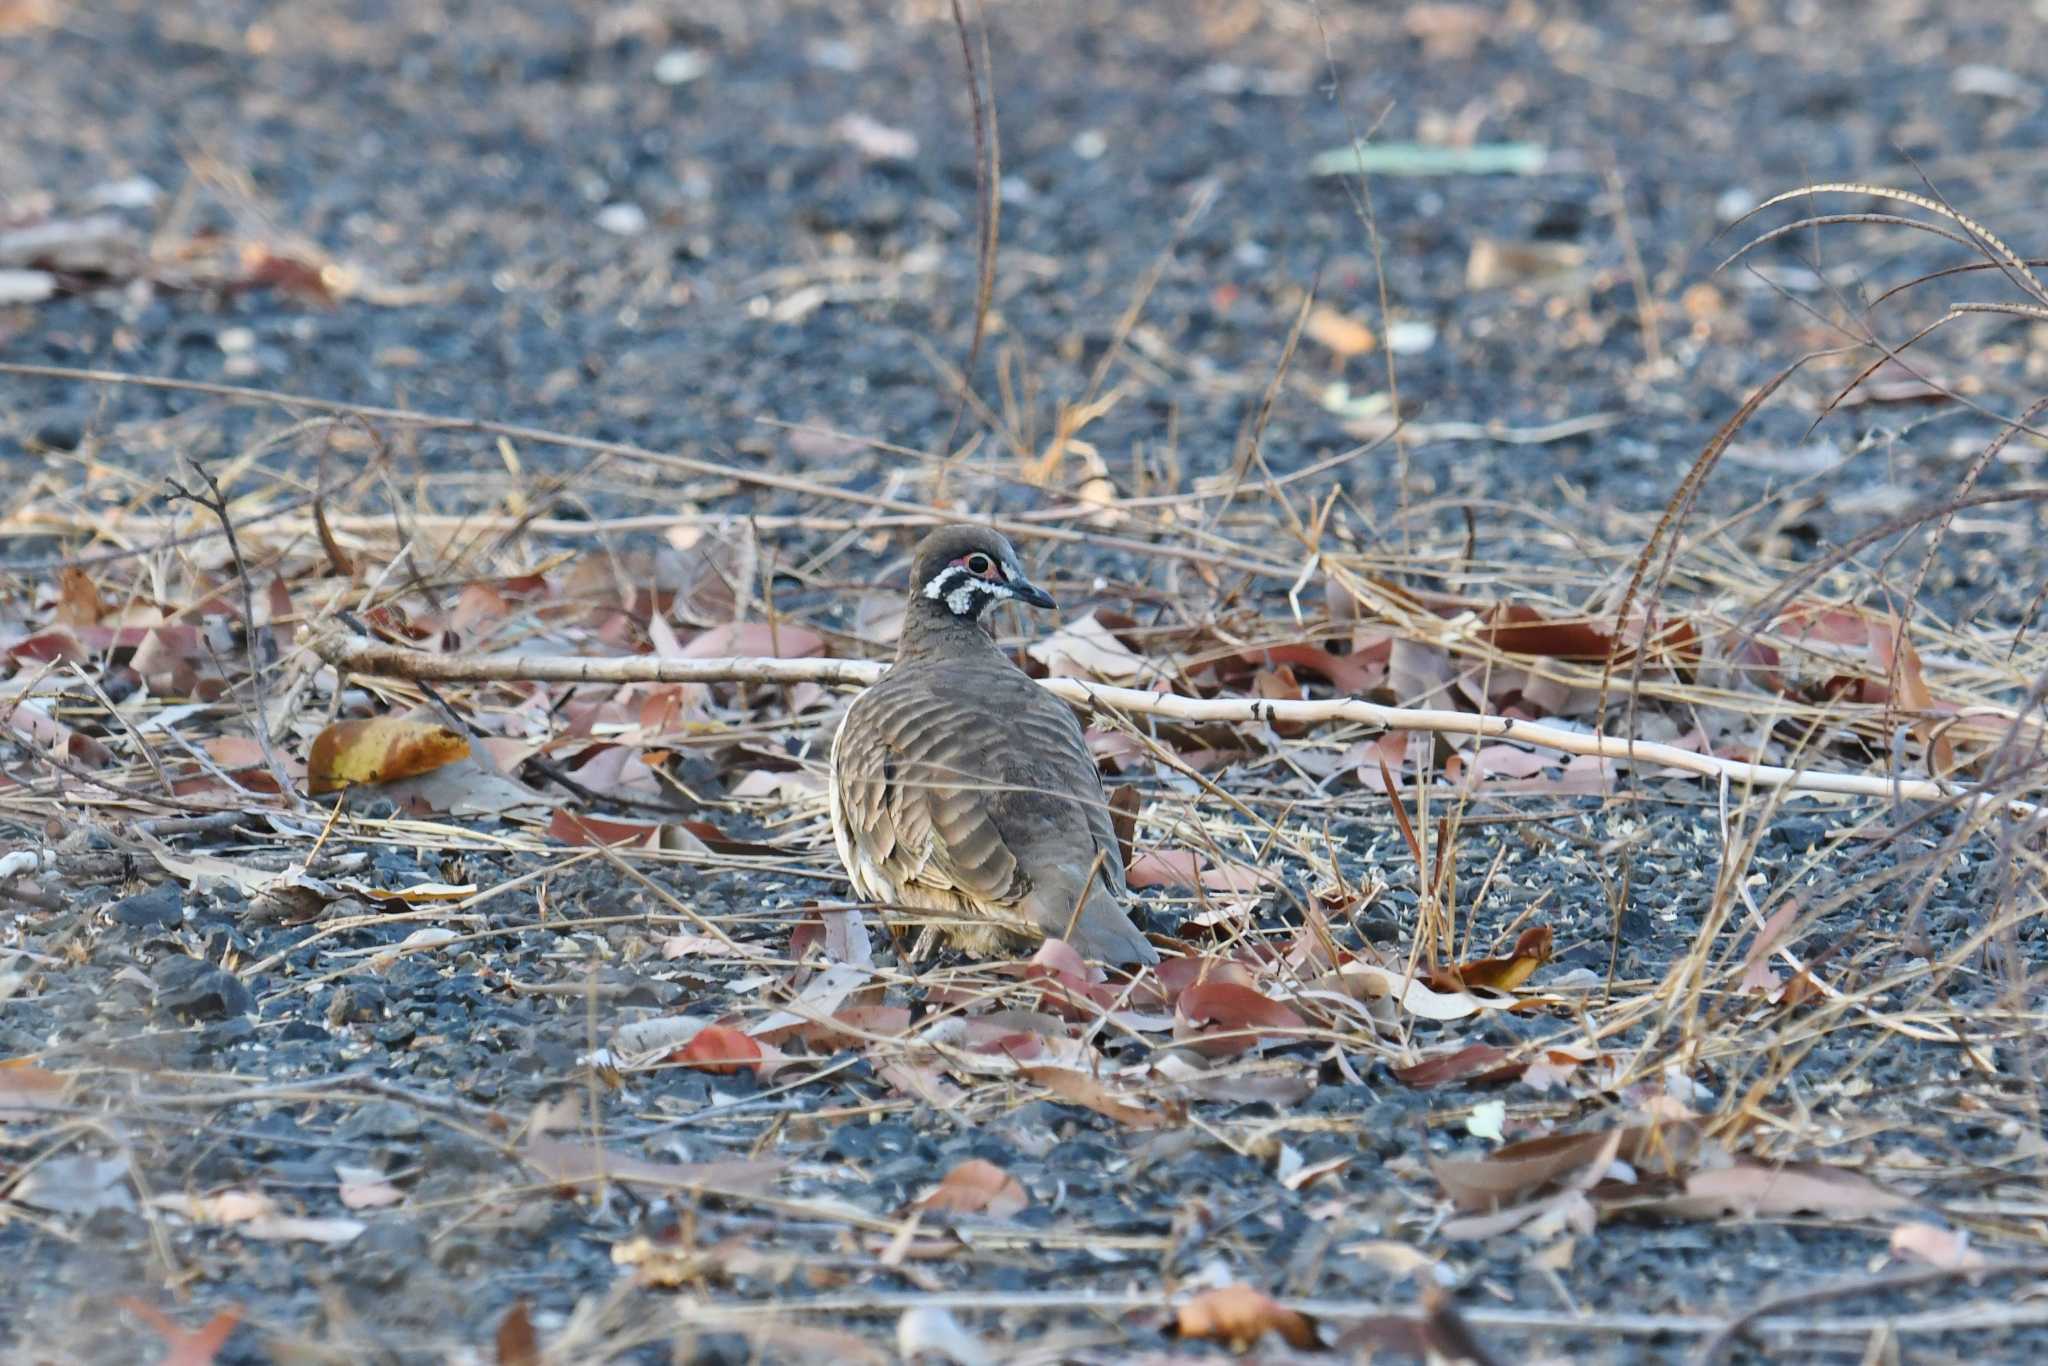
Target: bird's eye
{"x": 979, "y": 565}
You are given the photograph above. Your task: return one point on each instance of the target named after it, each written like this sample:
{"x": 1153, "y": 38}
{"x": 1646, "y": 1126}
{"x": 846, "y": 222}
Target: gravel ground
{"x": 672, "y": 226}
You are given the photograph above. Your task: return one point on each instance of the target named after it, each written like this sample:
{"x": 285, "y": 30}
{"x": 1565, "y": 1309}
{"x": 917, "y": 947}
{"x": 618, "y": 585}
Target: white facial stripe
{"x": 962, "y": 598}
{"x": 956, "y": 588}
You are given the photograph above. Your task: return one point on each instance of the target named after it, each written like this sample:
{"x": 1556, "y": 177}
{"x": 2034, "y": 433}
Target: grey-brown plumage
{"x": 962, "y": 788}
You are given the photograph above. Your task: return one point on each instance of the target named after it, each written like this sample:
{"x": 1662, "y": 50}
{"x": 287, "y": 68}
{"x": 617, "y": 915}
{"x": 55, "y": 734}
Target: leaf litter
{"x": 1338, "y": 910}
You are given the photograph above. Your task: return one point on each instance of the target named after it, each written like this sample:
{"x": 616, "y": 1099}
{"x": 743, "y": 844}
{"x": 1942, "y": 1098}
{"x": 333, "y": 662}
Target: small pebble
{"x": 624, "y": 220}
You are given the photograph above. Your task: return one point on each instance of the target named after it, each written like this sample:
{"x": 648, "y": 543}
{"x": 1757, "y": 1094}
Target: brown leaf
{"x": 712, "y": 569}
{"x": 377, "y": 750}
{"x": 977, "y": 1186}
{"x": 581, "y": 828}
{"x": 1532, "y": 950}
{"x": 517, "y": 1345}
{"x": 1943, "y": 1247}
{"x": 776, "y": 640}
{"x": 721, "y": 1049}
{"x": 1358, "y": 672}
{"x": 78, "y": 598}
{"x": 312, "y": 281}
{"x": 1756, "y": 965}
{"x": 1238, "y": 1316}
{"x": 922, "y": 1083}
{"x": 1078, "y": 1088}
{"x": 1241, "y": 1015}
{"x": 27, "y": 1091}
{"x": 1123, "y": 817}
{"x": 193, "y": 1347}
{"x": 1342, "y": 335}
{"x": 1751, "y": 1188}
{"x": 1518, "y": 1170}
{"x": 1471, "y": 1061}
{"x": 1186, "y": 868}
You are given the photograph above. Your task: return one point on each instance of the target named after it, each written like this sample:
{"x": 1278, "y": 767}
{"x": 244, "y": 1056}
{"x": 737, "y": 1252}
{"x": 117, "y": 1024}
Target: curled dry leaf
{"x": 721, "y": 1049}
{"x": 1532, "y": 950}
{"x": 977, "y": 1186}
{"x": 377, "y": 750}
{"x": 1370, "y": 980}
{"x": 1944, "y": 1247}
{"x": 1520, "y": 1170}
{"x": 1090, "y": 1093}
{"x": 1219, "y": 1018}
{"x": 1238, "y": 1316}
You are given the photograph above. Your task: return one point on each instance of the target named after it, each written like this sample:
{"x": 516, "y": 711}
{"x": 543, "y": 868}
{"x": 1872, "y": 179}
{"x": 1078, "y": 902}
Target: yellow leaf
{"x": 378, "y": 750}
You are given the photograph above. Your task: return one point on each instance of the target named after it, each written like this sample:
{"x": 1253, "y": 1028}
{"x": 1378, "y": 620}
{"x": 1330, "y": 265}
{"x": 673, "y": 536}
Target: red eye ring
{"x": 980, "y": 565}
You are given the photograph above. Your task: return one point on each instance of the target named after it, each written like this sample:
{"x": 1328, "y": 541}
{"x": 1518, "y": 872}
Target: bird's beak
{"x": 1029, "y": 593}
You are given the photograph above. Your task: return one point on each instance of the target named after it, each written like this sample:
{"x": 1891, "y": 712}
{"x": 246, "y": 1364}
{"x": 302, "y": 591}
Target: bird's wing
{"x": 912, "y": 779}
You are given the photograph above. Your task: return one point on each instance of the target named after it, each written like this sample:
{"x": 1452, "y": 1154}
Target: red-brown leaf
{"x": 977, "y": 1186}
{"x": 1220, "y": 1018}
{"x": 718, "y": 1048}
{"x": 1238, "y": 1316}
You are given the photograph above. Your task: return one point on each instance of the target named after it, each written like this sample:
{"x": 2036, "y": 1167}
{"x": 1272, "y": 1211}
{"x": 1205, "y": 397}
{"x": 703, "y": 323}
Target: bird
{"x": 963, "y": 789}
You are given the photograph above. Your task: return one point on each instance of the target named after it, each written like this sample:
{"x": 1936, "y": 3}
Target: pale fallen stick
{"x": 358, "y": 655}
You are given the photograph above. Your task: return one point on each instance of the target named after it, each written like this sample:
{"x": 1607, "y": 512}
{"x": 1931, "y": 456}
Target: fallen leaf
{"x": 516, "y": 1343}
{"x": 1238, "y": 1316}
{"x": 377, "y": 750}
{"x": 922, "y": 1083}
{"x": 1342, "y": 335}
{"x": 1750, "y": 1189}
{"x": 1413, "y": 995}
{"x": 581, "y": 1160}
{"x": 255, "y": 1215}
{"x": 719, "y": 1048}
{"x": 1532, "y": 950}
{"x": 185, "y": 1347}
{"x": 774, "y": 640}
{"x": 1185, "y": 868}
{"x": 1520, "y": 1170}
{"x": 1241, "y": 1016}
{"x": 1079, "y": 1088}
{"x": 926, "y": 1333}
{"x": 78, "y": 598}
{"x": 28, "y": 1091}
{"x": 977, "y": 1186}
{"x": 712, "y": 569}
{"x": 76, "y": 1184}
{"x": 365, "y": 1188}
{"x": 1943, "y": 1247}
{"x": 1088, "y": 649}
{"x": 1478, "y": 1061}
{"x": 1123, "y": 817}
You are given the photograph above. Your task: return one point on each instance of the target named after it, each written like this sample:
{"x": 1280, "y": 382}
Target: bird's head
{"x": 959, "y": 571}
